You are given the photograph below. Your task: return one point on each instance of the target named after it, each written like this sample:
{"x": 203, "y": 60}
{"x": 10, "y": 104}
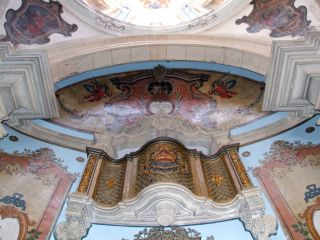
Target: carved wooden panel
{"x": 221, "y": 188}
{"x": 109, "y": 181}
{"x": 108, "y": 188}
{"x": 164, "y": 162}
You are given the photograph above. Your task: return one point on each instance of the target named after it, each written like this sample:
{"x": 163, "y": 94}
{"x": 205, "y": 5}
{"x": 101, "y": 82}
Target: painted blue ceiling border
{"x": 151, "y": 64}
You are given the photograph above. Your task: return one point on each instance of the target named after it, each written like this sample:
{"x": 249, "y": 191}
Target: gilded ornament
{"x": 245, "y": 181}
{"x": 220, "y": 184}
{"x": 86, "y": 177}
{"x": 217, "y": 179}
{"x": 109, "y": 186}
{"x": 110, "y": 183}
{"x": 164, "y": 162}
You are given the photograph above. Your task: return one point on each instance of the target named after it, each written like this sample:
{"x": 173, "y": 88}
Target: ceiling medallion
{"x": 13, "y": 138}
{"x": 276, "y": 15}
{"x": 246, "y": 154}
{"x": 80, "y": 159}
{"x": 35, "y": 21}
{"x": 310, "y": 129}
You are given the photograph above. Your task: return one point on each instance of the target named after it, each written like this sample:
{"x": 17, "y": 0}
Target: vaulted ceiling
{"x": 77, "y": 63}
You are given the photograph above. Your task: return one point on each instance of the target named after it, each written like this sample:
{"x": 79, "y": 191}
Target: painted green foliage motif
{"x": 33, "y": 235}
{"x": 302, "y": 228}
{"x": 173, "y": 233}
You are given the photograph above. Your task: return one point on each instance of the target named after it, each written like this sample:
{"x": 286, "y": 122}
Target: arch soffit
{"x": 74, "y": 57}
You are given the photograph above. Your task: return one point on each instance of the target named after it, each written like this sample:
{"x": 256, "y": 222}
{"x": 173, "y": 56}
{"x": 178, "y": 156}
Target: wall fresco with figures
{"x": 281, "y": 17}
{"x": 34, "y": 22}
{"x": 210, "y": 100}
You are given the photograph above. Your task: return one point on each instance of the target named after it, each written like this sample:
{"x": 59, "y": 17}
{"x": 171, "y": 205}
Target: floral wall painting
{"x": 34, "y": 185}
{"x": 282, "y": 166}
{"x": 35, "y": 21}
{"x": 210, "y": 100}
{"x": 281, "y": 17}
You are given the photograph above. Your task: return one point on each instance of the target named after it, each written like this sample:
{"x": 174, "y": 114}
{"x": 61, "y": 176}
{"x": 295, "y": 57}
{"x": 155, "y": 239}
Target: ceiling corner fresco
{"x": 35, "y": 21}
{"x": 281, "y": 17}
{"x": 210, "y": 100}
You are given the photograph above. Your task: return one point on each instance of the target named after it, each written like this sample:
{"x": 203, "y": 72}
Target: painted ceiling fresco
{"x": 210, "y": 100}
{"x": 34, "y": 22}
{"x": 154, "y": 12}
{"x": 281, "y": 17}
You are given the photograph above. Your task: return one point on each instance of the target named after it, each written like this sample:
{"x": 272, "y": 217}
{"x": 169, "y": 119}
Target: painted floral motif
{"x": 281, "y": 17}
{"x": 37, "y": 183}
{"x": 35, "y": 21}
{"x": 281, "y": 167}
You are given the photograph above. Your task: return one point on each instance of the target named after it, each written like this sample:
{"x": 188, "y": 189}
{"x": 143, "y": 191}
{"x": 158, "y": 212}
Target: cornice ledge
{"x": 26, "y": 88}
{"x": 293, "y": 79}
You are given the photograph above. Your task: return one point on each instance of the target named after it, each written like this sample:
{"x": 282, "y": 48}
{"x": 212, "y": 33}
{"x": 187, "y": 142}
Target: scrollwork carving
{"x": 252, "y": 214}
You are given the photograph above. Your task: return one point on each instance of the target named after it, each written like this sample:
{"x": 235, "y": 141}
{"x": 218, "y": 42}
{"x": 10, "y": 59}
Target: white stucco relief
{"x": 166, "y": 204}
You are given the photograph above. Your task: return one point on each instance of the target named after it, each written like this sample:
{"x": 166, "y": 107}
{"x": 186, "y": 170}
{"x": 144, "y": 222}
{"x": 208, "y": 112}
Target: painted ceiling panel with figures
{"x": 154, "y": 12}
{"x": 210, "y": 100}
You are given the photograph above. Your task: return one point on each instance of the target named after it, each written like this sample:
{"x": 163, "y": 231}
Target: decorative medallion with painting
{"x": 281, "y": 17}
{"x": 33, "y": 188}
{"x": 297, "y": 202}
{"x": 210, "y": 100}
{"x": 218, "y": 177}
{"x": 35, "y": 21}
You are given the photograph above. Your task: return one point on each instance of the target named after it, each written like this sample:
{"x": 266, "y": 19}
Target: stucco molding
{"x": 172, "y": 203}
{"x": 3, "y": 117}
{"x": 116, "y": 27}
{"x": 26, "y": 88}
{"x": 161, "y": 125}
{"x": 189, "y": 135}
{"x": 268, "y": 130}
{"x": 293, "y": 79}
{"x": 31, "y": 129}
{"x": 71, "y": 58}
